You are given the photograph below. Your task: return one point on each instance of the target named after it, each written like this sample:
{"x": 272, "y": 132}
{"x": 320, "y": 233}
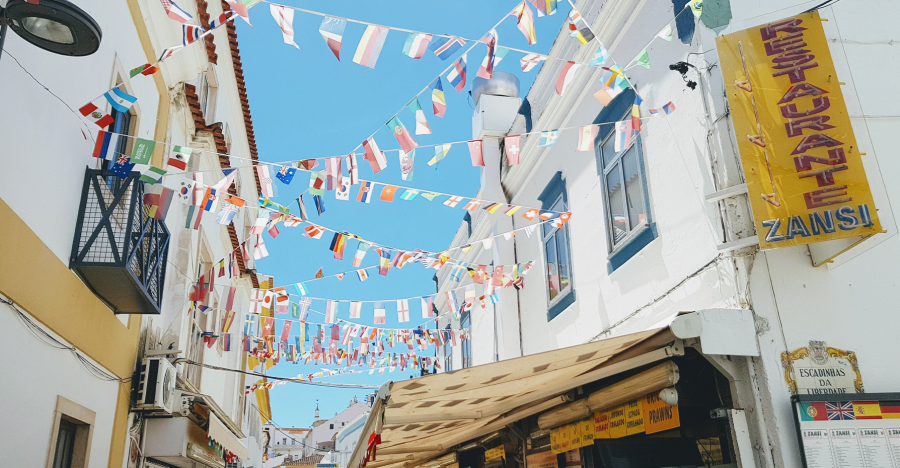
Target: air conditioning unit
{"x": 156, "y": 390}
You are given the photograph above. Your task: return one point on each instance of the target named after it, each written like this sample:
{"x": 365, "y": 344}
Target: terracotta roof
{"x": 190, "y": 94}
{"x": 203, "y": 14}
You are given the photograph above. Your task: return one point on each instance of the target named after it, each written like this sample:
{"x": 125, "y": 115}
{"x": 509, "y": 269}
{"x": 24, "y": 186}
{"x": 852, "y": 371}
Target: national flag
{"x": 890, "y": 409}
{"x": 317, "y": 183}
{"x": 866, "y": 410}
{"x": 320, "y": 274}
{"x": 525, "y": 22}
{"x": 422, "y": 127}
{"x": 360, "y": 254}
{"x": 384, "y": 261}
{"x": 643, "y": 59}
{"x": 285, "y": 174}
{"x": 190, "y": 33}
{"x": 303, "y": 214}
{"x": 259, "y": 224}
{"x": 582, "y": 33}
{"x": 285, "y": 18}
{"x": 260, "y": 251}
{"x": 338, "y": 243}
{"x": 210, "y": 200}
{"x": 623, "y": 135}
{"x": 225, "y": 183}
{"x": 265, "y": 181}
{"x": 453, "y": 201}
{"x": 169, "y": 52}
{"x": 529, "y": 61}
{"x": 122, "y": 167}
{"x": 365, "y": 192}
{"x": 370, "y": 45}
{"x": 343, "y": 192}
{"x": 451, "y": 302}
{"x": 475, "y": 152}
{"x": 175, "y": 12}
{"x": 355, "y": 308}
{"x": 105, "y": 147}
{"x": 242, "y": 7}
{"x": 331, "y": 310}
{"x": 472, "y": 205}
{"x": 229, "y": 210}
{"x": 193, "y": 218}
{"x": 486, "y": 70}
{"x": 545, "y": 7}
{"x": 320, "y": 204}
{"x": 531, "y": 214}
{"x": 493, "y": 207}
{"x": 416, "y": 44}
{"x": 403, "y": 310}
{"x": 379, "y": 313}
{"x": 409, "y": 194}
{"x": 388, "y": 192}
{"x": 158, "y": 202}
{"x": 636, "y": 113}
{"x": 429, "y": 195}
{"x": 437, "y": 98}
{"x": 440, "y": 152}
{"x": 374, "y": 155}
{"x": 427, "y": 307}
{"x": 600, "y": 57}
{"x": 407, "y": 163}
{"x": 839, "y": 410}
{"x": 457, "y": 76}
{"x": 301, "y": 289}
{"x": 696, "y": 7}
{"x": 145, "y": 70}
{"x": 445, "y": 47}
{"x": 363, "y": 275}
{"x": 179, "y": 157}
{"x": 119, "y": 100}
{"x": 586, "y": 136}
{"x": 332, "y": 30}
{"x": 184, "y": 189}
{"x": 102, "y": 119}
{"x": 666, "y": 33}
{"x": 559, "y": 222}
{"x": 221, "y": 19}
{"x": 272, "y": 206}
{"x": 513, "y": 146}
{"x": 353, "y": 168}
{"x": 511, "y": 210}
{"x": 333, "y": 173}
{"x": 402, "y": 135}
{"x": 566, "y": 76}
{"x": 548, "y": 137}
{"x": 668, "y": 107}
{"x": 282, "y": 303}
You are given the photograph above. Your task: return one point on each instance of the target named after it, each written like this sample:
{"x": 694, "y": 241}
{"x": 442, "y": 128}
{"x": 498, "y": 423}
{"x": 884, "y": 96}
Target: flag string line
{"x": 413, "y": 31}
{"x": 632, "y": 63}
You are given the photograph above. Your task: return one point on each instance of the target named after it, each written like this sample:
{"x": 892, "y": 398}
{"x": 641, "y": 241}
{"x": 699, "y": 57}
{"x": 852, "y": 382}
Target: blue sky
{"x": 306, "y": 104}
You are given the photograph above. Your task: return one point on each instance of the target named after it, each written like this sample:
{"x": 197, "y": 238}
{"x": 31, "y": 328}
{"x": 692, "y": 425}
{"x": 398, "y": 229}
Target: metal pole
{"x": 3, "y": 27}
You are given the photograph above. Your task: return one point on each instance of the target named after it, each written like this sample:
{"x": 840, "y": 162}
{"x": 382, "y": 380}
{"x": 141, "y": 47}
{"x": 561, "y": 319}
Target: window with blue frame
{"x": 466, "y": 345}
{"x": 557, "y": 253}
{"x": 629, "y": 223}
{"x": 448, "y": 351}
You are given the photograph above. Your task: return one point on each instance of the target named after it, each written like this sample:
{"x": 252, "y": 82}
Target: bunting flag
{"x": 636, "y": 113}
{"x": 525, "y": 22}
{"x": 583, "y": 33}
{"x": 145, "y": 70}
{"x": 388, "y": 192}
{"x": 286, "y": 174}
{"x": 499, "y": 54}
{"x": 365, "y": 192}
{"x": 380, "y": 313}
{"x": 353, "y": 169}
{"x": 440, "y": 152}
{"x": 643, "y": 59}
{"x": 437, "y": 98}
{"x": 476, "y": 153}
{"x": 317, "y": 183}
{"x": 407, "y": 163}
{"x": 512, "y": 145}
{"x": 445, "y": 47}
{"x": 545, "y": 7}
{"x": 228, "y": 320}
{"x": 320, "y": 274}
{"x": 402, "y": 135}
{"x": 285, "y": 19}
{"x": 452, "y": 306}
{"x": 105, "y": 146}
{"x": 427, "y": 307}
{"x": 623, "y": 135}
{"x": 360, "y": 254}
{"x": 331, "y": 310}
{"x": 416, "y": 44}
{"x": 301, "y": 289}
{"x": 210, "y": 199}
{"x": 403, "y": 310}
{"x": 168, "y": 52}
{"x": 370, "y": 45}
{"x": 338, "y": 243}
{"x": 472, "y": 205}
{"x": 666, "y": 33}
{"x": 530, "y": 61}
{"x": 362, "y": 274}
{"x": 374, "y": 155}
{"x": 600, "y": 57}
{"x": 179, "y": 157}
{"x": 586, "y": 137}
{"x": 422, "y": 127}
{"x": 457, "y": 76}
{"x": 343, "y": 192}
{"x": 384, "y": 262}
{"x": 355, "y": 308}
{"x": 225, "y": 182}
{"x": 566, "y": 75}
{"x": 696, "y": 7}
{"x": 221, "y": 19}
{"x": 303, "y": 214}
{"x": 175, "y": 12}
{"x": 332, "y": 30}
{"x": 668, "y": 107}
{"x": 158, "y": 202}
{"x": 242, "y": 7}
{"x": 548, "y": 137}
{"x": 453, "y": 201}
{"x": 320, "y": 204}
{"x": 265, "y": 181}
{"x": 409, "y": 194}
{"x": 486, "y": 70}
{"x": 333, "y": 173}
{"x": 190, "y": 33}
{"x": 260, "y": 251}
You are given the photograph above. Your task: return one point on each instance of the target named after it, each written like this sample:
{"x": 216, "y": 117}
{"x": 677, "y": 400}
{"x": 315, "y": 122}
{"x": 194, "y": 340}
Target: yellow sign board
{"x": 574, "y": 435}
{"x": 555, "y": 444}
{"x": 659, "y": 416}
{"x": 587, "y": 432}
{"x": 617, "y": 422}
{"x": 496, "y": 452}
{"x": 601, "y": 425}
{"x": 634, "y": 417}
{"x": 804, "y": 171}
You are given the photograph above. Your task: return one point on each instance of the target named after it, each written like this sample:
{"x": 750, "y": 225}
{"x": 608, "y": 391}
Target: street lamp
{"x": 54, "y": 25}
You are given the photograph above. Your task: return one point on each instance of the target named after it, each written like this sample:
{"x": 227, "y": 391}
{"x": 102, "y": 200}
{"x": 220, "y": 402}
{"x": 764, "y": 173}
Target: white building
{"x": 321, "y": 438}
{"x": 679, "y": 234}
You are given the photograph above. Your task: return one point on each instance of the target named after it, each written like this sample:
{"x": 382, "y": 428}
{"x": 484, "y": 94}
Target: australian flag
{"x": 121, "y": 167}
{"x": 286, "y": 174}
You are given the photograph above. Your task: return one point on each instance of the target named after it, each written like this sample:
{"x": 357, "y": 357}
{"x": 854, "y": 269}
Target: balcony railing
{"x": 119, "y": 251}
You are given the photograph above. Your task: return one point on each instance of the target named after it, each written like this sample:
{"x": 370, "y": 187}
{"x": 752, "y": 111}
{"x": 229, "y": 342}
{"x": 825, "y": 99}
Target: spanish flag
{"x": 866, "y": 410}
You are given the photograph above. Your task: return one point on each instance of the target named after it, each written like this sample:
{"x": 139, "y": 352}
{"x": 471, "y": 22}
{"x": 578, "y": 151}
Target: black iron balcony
{"x": 119, "y": 251}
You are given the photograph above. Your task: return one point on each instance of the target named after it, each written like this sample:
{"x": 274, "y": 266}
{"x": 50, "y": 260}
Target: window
{"x": 331, "y": 426}
{"x": 71, "y": 440}
{"x": 466, "y": 345}
{"x": 557, "y": 257}
{"x": 448, "y": 351}
{"x": 627, "y": 208}
{"x": 207, "y": 91}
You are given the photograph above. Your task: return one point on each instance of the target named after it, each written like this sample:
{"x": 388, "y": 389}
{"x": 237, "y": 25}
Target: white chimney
{"x": 497, "y": 103}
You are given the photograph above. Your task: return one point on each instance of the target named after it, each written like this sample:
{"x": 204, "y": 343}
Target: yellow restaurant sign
{"x": 496, "y": 452}
{"x": 802, "y": 164}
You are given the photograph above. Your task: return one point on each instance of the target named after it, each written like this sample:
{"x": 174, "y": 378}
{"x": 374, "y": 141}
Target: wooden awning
{"x": 426, "y": 417}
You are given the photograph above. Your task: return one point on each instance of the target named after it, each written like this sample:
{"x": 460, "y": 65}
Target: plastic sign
{"x": 804, "y": 171}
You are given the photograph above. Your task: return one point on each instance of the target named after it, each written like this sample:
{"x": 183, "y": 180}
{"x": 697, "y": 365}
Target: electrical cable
{"x": 283, "y": 379}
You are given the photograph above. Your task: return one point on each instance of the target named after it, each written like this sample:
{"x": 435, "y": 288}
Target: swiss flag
{"x": 513, "y": 147}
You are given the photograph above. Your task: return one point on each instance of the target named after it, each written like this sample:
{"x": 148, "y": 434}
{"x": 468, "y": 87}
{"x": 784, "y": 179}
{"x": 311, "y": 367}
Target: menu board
{"x": 860, "y": 433}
